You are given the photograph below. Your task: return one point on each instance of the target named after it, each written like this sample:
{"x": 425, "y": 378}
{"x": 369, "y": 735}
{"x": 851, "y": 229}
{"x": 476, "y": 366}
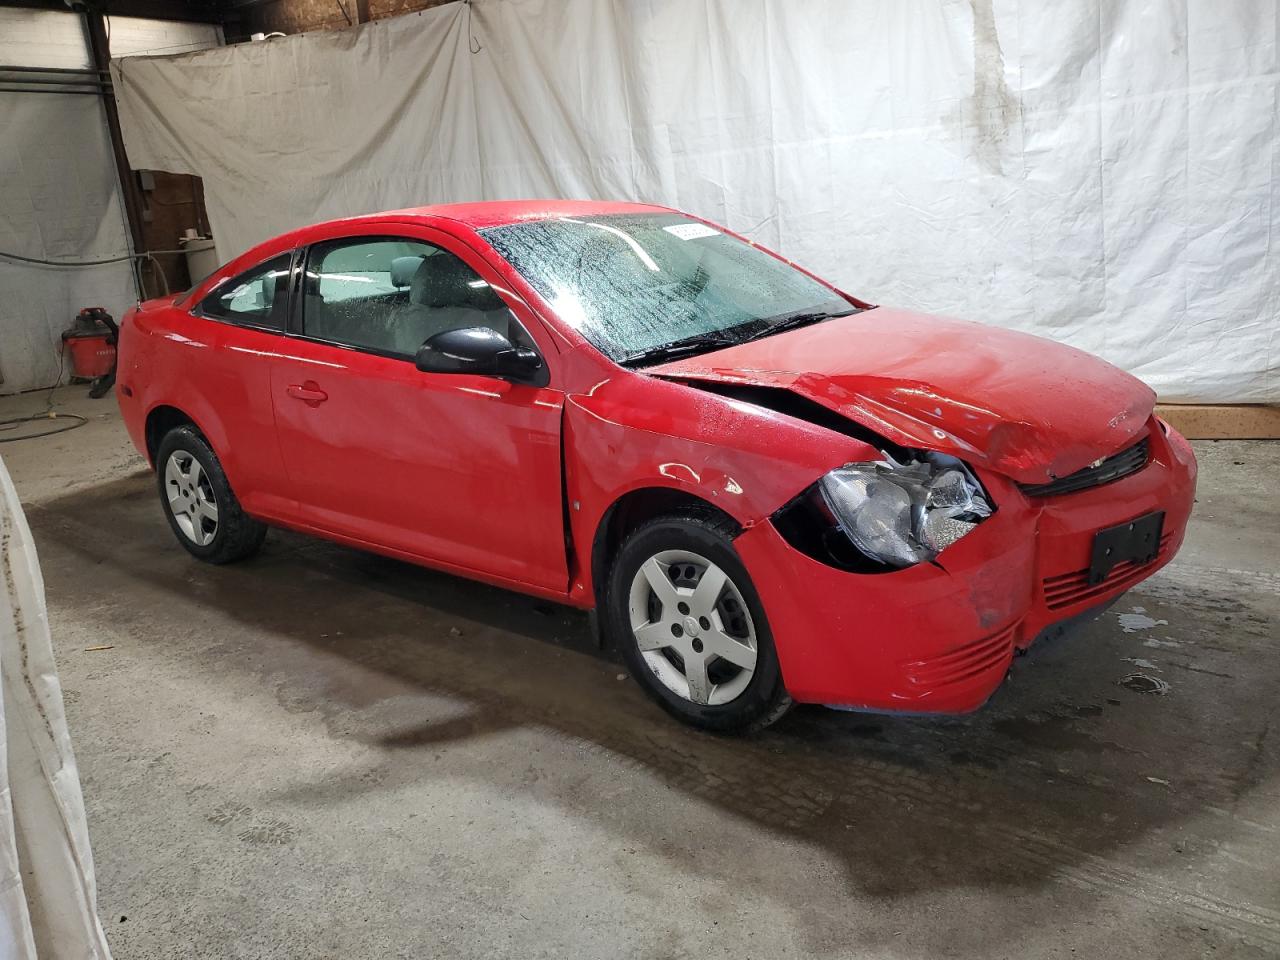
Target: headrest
{"x": 442, "y": 281}
{"x": 403, "y": 269}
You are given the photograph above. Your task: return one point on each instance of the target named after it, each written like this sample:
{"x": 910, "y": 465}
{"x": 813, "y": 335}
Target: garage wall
{"x": 59, "y": 200}
{"x": 134, "y": 36}
{"x": 1104, "y": 173}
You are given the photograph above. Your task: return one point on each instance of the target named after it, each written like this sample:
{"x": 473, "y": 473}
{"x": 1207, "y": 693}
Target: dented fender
{"x": 633, "y": 432}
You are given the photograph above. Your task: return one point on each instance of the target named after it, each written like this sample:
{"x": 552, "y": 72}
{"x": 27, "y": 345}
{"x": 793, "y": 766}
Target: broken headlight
{"x": 901, "y": 514}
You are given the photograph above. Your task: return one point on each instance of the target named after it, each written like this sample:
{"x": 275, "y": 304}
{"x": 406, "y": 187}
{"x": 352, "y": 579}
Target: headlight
{"x": 902, "y": 514}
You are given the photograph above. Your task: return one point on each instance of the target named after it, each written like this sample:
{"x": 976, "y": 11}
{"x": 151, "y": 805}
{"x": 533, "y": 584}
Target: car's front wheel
{"x": 199, "y": 503}
{"x": 688, "y": 622}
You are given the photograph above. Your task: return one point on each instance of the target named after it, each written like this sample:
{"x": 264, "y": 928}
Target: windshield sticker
{"x": 691, "y": 231}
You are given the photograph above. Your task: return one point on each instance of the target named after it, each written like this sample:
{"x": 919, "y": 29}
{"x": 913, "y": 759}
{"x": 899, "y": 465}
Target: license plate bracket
{"x": 1137, "y": 541}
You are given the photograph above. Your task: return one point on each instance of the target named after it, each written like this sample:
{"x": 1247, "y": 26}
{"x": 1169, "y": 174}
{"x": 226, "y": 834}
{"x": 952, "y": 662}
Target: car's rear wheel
{"x": 688, "y": 621}
{"x": 199, "y": 503}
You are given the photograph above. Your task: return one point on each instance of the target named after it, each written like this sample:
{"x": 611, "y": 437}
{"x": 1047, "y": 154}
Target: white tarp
{"x": 61, "y": 195}
{"x": 48, "y": 900}
{"x": 1103, "y": 172}
{"x": 60, "y": 200}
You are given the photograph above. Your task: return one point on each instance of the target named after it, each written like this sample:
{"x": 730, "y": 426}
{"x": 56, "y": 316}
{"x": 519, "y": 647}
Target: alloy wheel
{"x": 190, "y": 498}
{"x": 692, "y": 626}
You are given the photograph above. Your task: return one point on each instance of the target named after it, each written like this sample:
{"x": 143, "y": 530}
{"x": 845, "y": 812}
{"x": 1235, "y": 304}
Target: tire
{"x": 222, "y": 534}
{"x": 655, "y": 640}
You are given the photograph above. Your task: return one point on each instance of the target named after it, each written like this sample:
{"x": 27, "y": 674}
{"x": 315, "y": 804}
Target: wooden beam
{"x": 1221, "y": 422}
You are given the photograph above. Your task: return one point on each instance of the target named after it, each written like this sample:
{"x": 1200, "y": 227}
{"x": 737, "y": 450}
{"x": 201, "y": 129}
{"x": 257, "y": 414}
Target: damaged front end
{"x": 995, "y": 398}
{"x": 887, "y": 514}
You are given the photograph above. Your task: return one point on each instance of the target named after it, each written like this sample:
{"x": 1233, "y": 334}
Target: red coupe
{"x": 769, "y": 489}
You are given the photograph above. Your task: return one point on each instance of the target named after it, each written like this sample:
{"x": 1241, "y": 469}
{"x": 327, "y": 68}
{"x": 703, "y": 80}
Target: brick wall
{"x": 299, "y": 16}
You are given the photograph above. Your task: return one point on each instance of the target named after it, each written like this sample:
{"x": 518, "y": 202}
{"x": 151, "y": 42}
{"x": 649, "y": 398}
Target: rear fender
{"x": 156, "y": 371}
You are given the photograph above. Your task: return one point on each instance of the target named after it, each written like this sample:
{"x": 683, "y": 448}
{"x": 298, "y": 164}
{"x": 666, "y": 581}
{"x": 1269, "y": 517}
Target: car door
{"x": 459, "y": 470}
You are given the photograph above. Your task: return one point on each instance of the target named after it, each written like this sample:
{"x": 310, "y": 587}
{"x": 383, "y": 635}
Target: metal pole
{"x": 92, "y": 93}
{"x": 56, "y": 82}
{"x": 100, "y": 53}
{"x": 83, "y": 71}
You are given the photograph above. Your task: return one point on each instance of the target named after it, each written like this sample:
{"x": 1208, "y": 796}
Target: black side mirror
{"x": 482, "y": 351}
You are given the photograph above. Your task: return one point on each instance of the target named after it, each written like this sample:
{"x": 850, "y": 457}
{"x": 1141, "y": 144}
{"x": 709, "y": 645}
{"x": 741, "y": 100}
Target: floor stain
{"x": 1141, "y": 683}
{"x": 1051, "y": 732}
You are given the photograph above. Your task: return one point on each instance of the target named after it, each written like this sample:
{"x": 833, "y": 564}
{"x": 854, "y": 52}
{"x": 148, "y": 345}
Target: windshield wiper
{"x": 789, "y": 321}
{"x": 730, "y": 336}
{"x": 678, "y": 348}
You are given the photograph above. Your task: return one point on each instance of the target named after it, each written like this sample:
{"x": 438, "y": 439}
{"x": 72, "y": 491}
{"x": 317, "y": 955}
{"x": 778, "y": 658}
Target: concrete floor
{"x": 320, "y": 753}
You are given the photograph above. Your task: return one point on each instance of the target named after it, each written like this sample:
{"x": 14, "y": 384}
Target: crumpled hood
{"x": 1026, "y": 407}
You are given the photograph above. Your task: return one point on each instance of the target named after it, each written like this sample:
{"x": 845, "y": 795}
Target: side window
{"x": 258, "y": 297}
{"x": 389, "y": 296}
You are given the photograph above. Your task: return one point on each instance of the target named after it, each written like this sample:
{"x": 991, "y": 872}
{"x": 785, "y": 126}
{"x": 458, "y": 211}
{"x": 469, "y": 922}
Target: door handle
{"x": 309, "y": 393}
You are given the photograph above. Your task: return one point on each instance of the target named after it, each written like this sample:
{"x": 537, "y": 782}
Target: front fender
{"x": 634, "y": 432}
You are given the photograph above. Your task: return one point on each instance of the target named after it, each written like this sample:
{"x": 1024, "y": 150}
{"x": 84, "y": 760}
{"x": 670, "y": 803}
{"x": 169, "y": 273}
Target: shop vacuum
{"x": 91, "y": 342}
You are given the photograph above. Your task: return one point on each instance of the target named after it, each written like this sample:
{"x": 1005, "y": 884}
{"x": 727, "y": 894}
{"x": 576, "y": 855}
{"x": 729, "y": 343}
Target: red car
{"x": 769, "y": 489}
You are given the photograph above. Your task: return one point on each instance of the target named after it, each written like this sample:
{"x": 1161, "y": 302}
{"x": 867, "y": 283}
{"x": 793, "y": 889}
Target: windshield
{"x": 634, "y": 284}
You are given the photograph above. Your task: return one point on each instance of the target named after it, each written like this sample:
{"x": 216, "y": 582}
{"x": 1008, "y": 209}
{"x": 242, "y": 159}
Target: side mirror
{"x": 482, "y": 351}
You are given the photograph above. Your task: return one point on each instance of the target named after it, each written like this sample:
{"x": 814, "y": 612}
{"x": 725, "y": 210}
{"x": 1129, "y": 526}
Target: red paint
{"x": 480, "y": 476}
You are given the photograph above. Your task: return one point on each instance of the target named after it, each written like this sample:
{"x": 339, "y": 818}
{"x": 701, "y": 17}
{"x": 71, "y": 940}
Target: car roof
{"x": 493, "y": 213}
{"x": 477, "y": 216}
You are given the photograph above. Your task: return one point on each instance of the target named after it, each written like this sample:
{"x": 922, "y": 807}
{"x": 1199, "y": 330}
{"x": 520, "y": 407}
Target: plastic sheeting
{"x": 60, "y": 201}
{"x": 1103, "y": 173}
{"x": 47, "y": 892}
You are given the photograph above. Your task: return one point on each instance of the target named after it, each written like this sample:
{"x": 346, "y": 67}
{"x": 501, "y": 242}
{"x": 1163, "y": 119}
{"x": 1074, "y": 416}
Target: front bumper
{"x": 939, "y": 638}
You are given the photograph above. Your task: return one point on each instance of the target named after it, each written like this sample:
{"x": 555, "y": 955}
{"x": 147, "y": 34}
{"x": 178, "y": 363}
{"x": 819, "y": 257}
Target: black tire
{"x": 764, "y": 699}
{"x": 236, "y": 535}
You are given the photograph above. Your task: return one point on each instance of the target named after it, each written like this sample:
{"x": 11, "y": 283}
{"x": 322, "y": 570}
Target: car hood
{"x": 1026, "y": 407}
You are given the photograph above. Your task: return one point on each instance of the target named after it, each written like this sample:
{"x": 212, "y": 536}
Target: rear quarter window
{"x": 256, "y": 298}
